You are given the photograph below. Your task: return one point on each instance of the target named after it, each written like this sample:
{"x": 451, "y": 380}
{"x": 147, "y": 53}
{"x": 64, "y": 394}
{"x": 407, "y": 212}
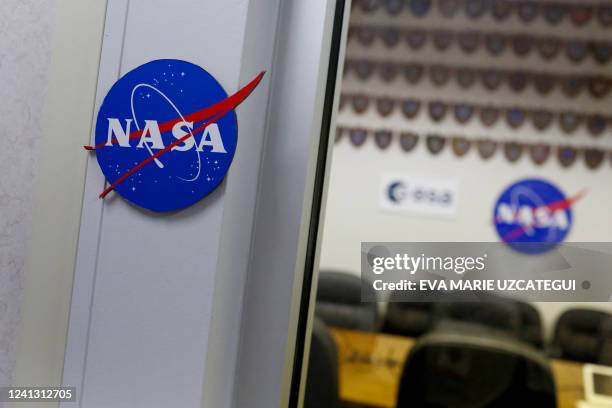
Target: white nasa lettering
{"x": 525, "y": 217}
{"x": 530, "y": 217}
{"x": 115, "y": 131}
{"x": 561, "y": 219}
{"x": 151, "y": 135}
{"x": 178, "y": 132}
{"x": 505, "y": 214}
{"x": 212, "y": 132}
{"x": 543, "y": 217}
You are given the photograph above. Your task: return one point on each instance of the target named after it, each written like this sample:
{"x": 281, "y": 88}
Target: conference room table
{"x": 370, "y": 366}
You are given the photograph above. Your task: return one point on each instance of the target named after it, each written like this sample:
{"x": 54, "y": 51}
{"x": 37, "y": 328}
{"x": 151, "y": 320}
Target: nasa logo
{"x": 166, "y": 134}
{"x": 533, "y": 216}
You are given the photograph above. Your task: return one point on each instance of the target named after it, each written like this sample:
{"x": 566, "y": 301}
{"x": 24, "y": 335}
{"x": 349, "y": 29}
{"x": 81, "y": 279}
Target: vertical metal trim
{"x": 313, "y": 232}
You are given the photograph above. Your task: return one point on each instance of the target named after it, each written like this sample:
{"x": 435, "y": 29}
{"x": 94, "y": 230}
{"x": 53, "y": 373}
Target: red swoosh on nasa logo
{"x": 554, "y": 206}
{"x": 212, "y": 113}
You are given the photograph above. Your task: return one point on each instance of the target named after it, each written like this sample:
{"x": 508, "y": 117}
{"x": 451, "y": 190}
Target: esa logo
{"x": 533, "y": 215}
{"x": 398, "y": 191}
{"x": 166, "y": 134}
{"x": 425, "y": 195}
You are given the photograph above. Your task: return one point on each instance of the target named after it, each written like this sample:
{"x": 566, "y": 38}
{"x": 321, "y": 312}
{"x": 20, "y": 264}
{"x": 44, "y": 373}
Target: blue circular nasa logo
{"x": 166, "y": 135}
{"x": 533, "y": 216}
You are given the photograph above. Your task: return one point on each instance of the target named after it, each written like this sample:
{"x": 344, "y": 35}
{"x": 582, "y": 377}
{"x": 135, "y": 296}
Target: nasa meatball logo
{"x": 166, "y": 134}
{"x": 533, "y": 215}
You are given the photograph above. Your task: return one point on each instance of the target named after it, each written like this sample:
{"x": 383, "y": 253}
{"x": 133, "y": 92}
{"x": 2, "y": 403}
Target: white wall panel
{"x": 144, "y": 285}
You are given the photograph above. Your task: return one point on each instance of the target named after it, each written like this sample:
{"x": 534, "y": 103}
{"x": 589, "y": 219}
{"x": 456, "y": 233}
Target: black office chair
{"x": 322, "y": 389}
{"x": 492, "y": 312}
{"x": 583, "y": 335}
{"x": 515, "y": 317}
{"x": 407, "y": 316}
{"x": 462, "y": 365}
{"x": 530, "y": 330}
{"x": 339, "y": 302}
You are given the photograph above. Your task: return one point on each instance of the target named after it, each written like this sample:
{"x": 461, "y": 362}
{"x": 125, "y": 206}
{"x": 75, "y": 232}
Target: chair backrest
{"x": 531, "y": 330}
{"x": 520, "y": 319}
{"x": 498, "y": 314}
{"x": 414, "y": 318}
{"x": 339, "y": 302}
{"x": 467, "y": 366}
{"x": 583, "y": 335}
{"x": 322, "y": 390}
{"x": 406, "y": 316}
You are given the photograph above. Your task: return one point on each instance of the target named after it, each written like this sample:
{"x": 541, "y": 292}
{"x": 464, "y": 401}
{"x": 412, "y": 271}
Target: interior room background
{"x": 381, "y": 39}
